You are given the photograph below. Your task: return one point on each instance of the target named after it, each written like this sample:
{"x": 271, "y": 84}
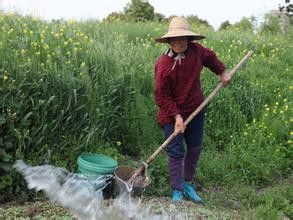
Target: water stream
{"x": 83, "y": 196}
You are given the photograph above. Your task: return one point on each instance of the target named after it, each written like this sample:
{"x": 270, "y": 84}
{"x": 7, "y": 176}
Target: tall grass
{"x": 70, "y": 87}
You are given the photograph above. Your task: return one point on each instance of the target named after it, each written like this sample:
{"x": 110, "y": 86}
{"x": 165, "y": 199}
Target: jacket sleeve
{"x": 163, "y": 90}
{"x": 211, "y": 61}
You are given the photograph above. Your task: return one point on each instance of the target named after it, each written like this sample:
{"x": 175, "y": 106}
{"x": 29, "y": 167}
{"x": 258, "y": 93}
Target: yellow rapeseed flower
{"x": 46, "y": 46}
{"x": 10, "y": 31}
{"x": 286, "y": 107}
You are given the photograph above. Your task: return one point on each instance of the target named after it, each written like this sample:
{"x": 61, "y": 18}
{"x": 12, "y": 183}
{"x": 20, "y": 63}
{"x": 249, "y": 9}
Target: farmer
{"x": 177, "y": 94}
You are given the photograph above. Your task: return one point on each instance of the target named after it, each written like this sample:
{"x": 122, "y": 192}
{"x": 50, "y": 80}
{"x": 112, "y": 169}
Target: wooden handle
{"x": 202, "y": 105}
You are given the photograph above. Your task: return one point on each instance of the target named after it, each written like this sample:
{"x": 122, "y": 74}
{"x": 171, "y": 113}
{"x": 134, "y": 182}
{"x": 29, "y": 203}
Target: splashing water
{"x": 83, "y": 196}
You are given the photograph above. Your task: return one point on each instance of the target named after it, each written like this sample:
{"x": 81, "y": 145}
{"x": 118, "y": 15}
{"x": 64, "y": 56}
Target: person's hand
{"x": 179, "y": 124}
{"x": 225, "y": 78}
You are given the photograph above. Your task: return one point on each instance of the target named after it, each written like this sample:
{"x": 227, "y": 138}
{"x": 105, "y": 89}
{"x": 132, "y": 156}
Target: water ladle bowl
{"x": 136, "y": 188}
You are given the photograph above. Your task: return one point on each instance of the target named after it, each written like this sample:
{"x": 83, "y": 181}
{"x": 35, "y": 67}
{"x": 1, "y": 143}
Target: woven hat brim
{"x": 194, "y": 36}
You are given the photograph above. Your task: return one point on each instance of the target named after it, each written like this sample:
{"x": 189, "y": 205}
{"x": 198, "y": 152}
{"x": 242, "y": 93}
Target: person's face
{"x": 178, "y": 44}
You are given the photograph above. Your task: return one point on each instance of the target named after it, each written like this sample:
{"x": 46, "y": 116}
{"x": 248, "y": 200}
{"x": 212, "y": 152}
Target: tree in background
{"x": 279, "y": 21}
{"x": 115, "y": 16}
{"x": 142, "y": 10}
{"x": 160, "y": 17}
{"x": 139, "y": 10}
{"x": 194, "y": 19}
{"x": 289, "y": 10}
{"x": 225, "y": 25}
{"x": 286, "y": 10}
{"x": 271, "y": 24}
{"x": 246, "y": 24}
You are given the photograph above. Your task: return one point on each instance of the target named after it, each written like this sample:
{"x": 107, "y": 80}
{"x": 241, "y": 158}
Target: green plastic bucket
{"x": 94, "y": 165}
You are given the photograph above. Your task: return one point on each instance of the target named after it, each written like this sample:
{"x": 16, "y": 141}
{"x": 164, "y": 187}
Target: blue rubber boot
{"x": 177, "y": 195}
{"x": 190, "y": 193}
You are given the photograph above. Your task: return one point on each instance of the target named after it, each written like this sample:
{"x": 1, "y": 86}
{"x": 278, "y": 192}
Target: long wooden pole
{"x": 174, "y": 134}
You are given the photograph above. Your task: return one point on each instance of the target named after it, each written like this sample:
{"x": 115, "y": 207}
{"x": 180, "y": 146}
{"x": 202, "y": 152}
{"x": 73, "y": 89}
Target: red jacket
{"x": 177, "y": 82}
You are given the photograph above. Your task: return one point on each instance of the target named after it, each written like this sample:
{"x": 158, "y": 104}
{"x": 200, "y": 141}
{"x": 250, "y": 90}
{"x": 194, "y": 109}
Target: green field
{"x": 72, "y": 87}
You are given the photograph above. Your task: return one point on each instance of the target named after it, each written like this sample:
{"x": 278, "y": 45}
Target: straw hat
{"x": 179, "y": 27}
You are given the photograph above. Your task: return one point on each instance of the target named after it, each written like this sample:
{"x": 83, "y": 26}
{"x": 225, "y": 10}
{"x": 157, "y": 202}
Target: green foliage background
{"x": 68, "y": 88}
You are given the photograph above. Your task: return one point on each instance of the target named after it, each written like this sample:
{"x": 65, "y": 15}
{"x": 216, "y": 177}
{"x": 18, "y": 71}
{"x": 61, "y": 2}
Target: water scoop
{"x": 134, "y": 179}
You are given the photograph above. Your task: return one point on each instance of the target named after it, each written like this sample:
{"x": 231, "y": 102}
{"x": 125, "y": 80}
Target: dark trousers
{"x": 178, "y": 157}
